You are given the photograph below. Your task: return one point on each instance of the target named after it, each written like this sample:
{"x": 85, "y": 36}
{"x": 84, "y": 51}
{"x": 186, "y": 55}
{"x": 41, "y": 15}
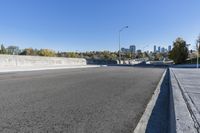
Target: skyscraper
{"x": 159, "y": 49}
{"x": 162, "y": 50}
{"x": 132, "y": 48}
{"x": 154, "y": 48}
{"x": 169, "y": 48}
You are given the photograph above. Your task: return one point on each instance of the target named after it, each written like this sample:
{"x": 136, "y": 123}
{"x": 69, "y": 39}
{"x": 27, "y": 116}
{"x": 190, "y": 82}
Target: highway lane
{"x": 88, "y": 100}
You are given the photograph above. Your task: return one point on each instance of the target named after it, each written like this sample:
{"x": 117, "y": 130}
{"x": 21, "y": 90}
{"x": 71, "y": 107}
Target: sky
{"x": 93, "y": 25}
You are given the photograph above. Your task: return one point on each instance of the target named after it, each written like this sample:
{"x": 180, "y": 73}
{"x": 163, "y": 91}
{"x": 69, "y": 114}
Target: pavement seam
{"x": 142, "y": 124}
{"x": 196, "y": 123}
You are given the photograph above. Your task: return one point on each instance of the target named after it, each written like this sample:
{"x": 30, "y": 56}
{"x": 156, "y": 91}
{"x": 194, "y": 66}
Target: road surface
{"x": 87, "y": 100}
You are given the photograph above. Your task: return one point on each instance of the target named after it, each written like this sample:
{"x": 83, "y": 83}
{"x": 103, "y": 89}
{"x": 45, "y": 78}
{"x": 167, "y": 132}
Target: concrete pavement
{"x": 185, "y": 102}
{"x": 90, "y": 100}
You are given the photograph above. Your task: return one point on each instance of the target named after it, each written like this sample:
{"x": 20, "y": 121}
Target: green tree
{"x": 29, "y": 51}
{"x": 3, "y": 49}
{"x": 145, "y": 55}
{"x": 72, "y": 55}
{"x": 46, "y": 52}
{"x": 127, "y": 55}
{"x": 179, "y": 52}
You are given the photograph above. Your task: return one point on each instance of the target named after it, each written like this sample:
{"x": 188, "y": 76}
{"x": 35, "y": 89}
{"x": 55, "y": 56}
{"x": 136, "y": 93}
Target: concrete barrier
{"x": 22, "y": 61}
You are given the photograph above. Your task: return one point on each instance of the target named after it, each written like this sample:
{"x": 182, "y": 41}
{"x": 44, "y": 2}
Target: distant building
{"x": 169, "y": 48}
{"x": 154, "y": 49}
{"x": 124, "y": 50}
{"x": 139, "y": 51}
{"x": 132, "y": 48}
{"x": 159, "y": 49}
{"x": 163, "y": 50}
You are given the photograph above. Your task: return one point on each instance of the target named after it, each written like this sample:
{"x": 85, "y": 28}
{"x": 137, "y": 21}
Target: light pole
{"x": 145, "y": 47}
{"x": 198, "y": 45}
{"x": 120, "y": 42}
{"x": 144, "y": 51}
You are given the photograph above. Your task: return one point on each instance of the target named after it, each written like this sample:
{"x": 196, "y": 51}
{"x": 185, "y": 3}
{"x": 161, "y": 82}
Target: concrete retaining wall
{"x": 20, "y": 61}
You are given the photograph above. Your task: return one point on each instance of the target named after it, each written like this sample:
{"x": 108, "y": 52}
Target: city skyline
{"x": 160, "y": 49}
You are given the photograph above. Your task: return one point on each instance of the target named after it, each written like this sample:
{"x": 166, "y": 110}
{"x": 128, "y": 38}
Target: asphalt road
{"x": 88, "y": 100}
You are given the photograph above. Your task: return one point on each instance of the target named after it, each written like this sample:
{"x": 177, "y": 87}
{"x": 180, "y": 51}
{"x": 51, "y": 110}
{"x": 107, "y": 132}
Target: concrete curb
{"x": 182, "y": 119}
{"x": 142, "y": 125}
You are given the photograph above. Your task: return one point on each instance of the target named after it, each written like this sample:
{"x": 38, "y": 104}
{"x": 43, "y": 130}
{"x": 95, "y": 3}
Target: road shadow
{"x": 159, "y": 119}
{"x": 140, "y": 65}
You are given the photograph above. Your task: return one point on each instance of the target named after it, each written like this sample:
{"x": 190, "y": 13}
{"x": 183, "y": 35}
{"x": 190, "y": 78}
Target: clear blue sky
{"x": 84, "y": 25}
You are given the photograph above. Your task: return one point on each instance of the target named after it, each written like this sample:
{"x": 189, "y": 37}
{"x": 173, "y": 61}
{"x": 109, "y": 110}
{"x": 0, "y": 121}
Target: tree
{"x": 127, "y": 55}
{"x": 72, "y": 55}
{"x": 46, "y": 52}
{"x": 145, "y": 55}
{"x": 14, "y": 50}
{"x": 3, "y": 49}
{"x": 179, "y": 52}
{"x": 29, "y": 51}
{"x": 158, "y": 56}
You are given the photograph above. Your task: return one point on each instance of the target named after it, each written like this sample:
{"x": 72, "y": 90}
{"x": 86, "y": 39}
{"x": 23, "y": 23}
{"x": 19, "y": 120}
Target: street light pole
{"x": 198, "y": 45}
{"x": 144, "y": 50}
{"x": 145, "y": 47}
{"x": 120, "y": 42}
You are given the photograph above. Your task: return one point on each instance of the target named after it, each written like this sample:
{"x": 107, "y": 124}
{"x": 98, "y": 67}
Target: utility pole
{"x": 198, "y": 54}
{"x": 120, "y": 42}
{"x": 198, "y": 47}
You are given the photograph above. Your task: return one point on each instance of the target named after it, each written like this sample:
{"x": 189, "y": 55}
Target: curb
{"x": 142, "y": 124}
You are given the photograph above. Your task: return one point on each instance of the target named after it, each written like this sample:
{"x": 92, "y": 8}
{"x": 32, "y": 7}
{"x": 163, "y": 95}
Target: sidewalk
{"x": 36, "y": 68}
{"x": 185, "y": 97}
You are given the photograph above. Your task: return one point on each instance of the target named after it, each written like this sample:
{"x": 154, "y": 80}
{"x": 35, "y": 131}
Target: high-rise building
{"x": 124, "y": 50}
{"x": 139, "y": 51}
{"x": 162, "y": 50}
{"x": 159, "y": 49}
{"x": 154, "y": 48}
{"x": 132, "y": 48}
{"x": 169, "y": 48}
